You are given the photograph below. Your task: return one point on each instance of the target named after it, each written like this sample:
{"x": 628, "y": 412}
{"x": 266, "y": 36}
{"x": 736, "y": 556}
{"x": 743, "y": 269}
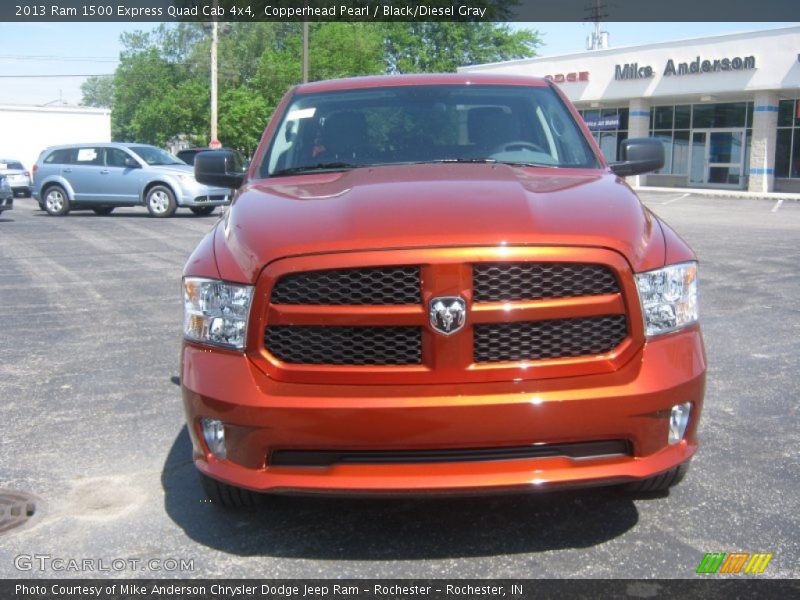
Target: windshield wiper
{"x": 332, "y": 166}
{"x": 458, "y": 160}
{"x": 529, "y": 164}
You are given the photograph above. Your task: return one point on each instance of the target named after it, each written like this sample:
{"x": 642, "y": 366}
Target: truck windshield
{"x": 514, "y": 124}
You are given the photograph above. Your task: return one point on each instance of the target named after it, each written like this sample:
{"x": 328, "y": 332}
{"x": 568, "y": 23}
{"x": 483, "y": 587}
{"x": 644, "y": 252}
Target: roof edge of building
{"x": 606, "y": 51}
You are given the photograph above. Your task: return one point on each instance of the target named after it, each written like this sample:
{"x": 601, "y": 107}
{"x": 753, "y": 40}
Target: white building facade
{"x": 27, "y": 130}
{"x": 726, "y": 107}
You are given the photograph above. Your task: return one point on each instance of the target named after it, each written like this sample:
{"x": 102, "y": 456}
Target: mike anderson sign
{"x": 698, "y": 66}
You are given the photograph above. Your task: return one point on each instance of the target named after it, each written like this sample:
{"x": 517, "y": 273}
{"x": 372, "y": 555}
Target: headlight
{"x": 216, "y": 312}
{"x": 187, "y": 179}
{"x": 669, "y": 297}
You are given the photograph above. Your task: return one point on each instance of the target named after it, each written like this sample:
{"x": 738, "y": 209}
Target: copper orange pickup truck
{"x": 437, "y": 284}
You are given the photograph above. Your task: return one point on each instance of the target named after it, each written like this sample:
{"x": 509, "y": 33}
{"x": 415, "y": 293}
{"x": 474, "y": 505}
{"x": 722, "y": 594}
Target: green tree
{"x": 161, "y": 86}
{"x": 243, "y": 116}
{"x": 98, "y": 91}
{"x": 441, "y": 47}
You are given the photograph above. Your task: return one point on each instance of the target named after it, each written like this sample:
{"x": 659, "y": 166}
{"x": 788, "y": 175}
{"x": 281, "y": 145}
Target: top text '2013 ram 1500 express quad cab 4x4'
{"x": 437, "y": 284}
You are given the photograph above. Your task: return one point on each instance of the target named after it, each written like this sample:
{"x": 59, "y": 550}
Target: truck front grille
{"x": 542, "y": 305}
{"x": 554, "y": 338}
{"x": 345, "y": 345}
{"x": 363, "y": 286}
{"x": 509, "y": 282}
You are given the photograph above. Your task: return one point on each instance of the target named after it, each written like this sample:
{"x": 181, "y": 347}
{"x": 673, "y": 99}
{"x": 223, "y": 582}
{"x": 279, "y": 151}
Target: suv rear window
{"x": 11, "y": 165}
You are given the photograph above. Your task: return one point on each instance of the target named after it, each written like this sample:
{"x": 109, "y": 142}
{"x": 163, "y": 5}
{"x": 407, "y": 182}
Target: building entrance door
{"x": 717, "y": 158}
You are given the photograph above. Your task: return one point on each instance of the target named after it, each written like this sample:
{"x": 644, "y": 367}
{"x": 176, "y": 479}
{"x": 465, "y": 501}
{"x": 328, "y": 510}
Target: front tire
{"x": 160, "y": 202}
{"x": 229, "y": 496}
{"x": 103, "y": 210}
{"x": 56, "y": 202}
{"x": 202, "y": 211}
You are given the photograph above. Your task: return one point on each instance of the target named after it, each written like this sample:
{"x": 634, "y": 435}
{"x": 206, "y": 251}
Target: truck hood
{"x": 433, "y": 205}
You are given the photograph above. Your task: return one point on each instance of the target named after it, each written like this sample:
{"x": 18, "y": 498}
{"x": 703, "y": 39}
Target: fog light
{"x": 214, "y": 435}
{"x": 678, "y": 421}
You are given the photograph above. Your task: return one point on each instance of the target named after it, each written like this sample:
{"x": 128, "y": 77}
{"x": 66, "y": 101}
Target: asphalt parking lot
{"x": 93, "y": 425}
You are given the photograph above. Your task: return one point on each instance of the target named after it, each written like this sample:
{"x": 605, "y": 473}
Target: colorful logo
{"x": 734, "y": 562}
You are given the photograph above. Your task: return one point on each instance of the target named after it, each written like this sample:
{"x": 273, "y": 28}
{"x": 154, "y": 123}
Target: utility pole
{"x": 214, "y": 142}
{"x": 305, "y": 51}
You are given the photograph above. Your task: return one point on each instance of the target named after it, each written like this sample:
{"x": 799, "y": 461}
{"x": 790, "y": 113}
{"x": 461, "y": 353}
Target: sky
{"x": 93, "y": 48}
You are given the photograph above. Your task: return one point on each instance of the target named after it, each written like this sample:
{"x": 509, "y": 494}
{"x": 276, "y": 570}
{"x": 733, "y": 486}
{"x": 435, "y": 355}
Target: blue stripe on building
{"x": 765, "y": 108}
{"x": 639, "y": 113}
{"x": 757, "y": 171}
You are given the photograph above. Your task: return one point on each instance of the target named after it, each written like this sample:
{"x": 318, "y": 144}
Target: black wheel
{"x": 56, "y": 202}
{"x": 202, "y": 210}
{"x": 103, "y": 210}
{"x": 661, "y": 482}
{"x": 160, "y": 201}
{"x": 229, "y": 496}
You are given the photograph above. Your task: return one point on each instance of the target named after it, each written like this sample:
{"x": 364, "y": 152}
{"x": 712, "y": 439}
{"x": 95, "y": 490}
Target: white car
{"x": 18, "y": 177}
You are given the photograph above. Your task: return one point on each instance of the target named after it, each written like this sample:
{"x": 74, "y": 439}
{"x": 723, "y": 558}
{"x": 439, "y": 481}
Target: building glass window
{"x": 787, "y": 146}
{"x": 719, "y": 116}
{"x": 785, "y": 113}
{"x": 783, "y": 152}
{"x": 663, "y": 117}
{"x": 683, "y": 116}
{"x": 609, "y": 126}
{"x": 673, "y": 126}
{"x": 795, "y": 172}
{"x": 680, "y": 153}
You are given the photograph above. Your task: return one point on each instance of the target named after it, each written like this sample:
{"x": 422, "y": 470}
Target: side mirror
{"x": 218, "y": 168}
{"x": 639, "y": 155}
{"x": 131, "y": 163}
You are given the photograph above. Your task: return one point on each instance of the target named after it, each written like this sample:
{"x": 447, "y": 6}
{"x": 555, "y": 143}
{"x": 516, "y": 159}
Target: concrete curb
{"x": 721, "y": 193}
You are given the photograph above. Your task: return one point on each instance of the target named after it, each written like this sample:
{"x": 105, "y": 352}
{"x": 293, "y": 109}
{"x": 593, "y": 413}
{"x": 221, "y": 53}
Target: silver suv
{"x": 103, "y": 176}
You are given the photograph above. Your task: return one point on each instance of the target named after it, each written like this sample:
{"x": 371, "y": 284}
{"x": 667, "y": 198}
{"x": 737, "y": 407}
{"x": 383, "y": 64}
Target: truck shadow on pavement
{"x": 393, "y": 529}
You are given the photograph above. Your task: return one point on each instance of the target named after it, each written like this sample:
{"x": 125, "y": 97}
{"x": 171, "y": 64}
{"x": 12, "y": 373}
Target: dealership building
{"x": 726, "y": 107}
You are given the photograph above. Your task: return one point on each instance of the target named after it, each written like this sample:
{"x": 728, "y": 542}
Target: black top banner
{"x": 392, "y": 10}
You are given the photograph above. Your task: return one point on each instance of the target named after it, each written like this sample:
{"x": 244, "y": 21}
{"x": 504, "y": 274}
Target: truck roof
{"x": 352, "y": 83}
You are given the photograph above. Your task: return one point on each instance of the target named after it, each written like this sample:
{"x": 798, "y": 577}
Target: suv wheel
{"x": 661, "y": 482}
{"x": 103, "y": 210}
{"x": 202, "y": 210}
{"x": 229, "y": 496}
{"x": 56, "y": 202}
{"x": 160, "y": 201}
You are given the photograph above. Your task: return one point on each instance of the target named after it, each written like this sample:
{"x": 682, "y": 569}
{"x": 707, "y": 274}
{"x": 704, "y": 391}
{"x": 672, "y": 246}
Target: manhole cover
{"x": 16, "y": 510}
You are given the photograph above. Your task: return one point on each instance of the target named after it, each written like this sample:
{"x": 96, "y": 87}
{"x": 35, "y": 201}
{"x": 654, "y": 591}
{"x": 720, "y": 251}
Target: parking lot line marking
{"x": 676, "y": 199}
{"x": 778, "y": 204}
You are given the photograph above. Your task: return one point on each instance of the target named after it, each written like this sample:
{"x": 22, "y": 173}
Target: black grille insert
{"x": 362, "y": 286}
{"x": 510, "y": 282}
{"x": 555, "y": 338}
{"x": 326, "y": 458}
{"x": 314, "y": 345}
